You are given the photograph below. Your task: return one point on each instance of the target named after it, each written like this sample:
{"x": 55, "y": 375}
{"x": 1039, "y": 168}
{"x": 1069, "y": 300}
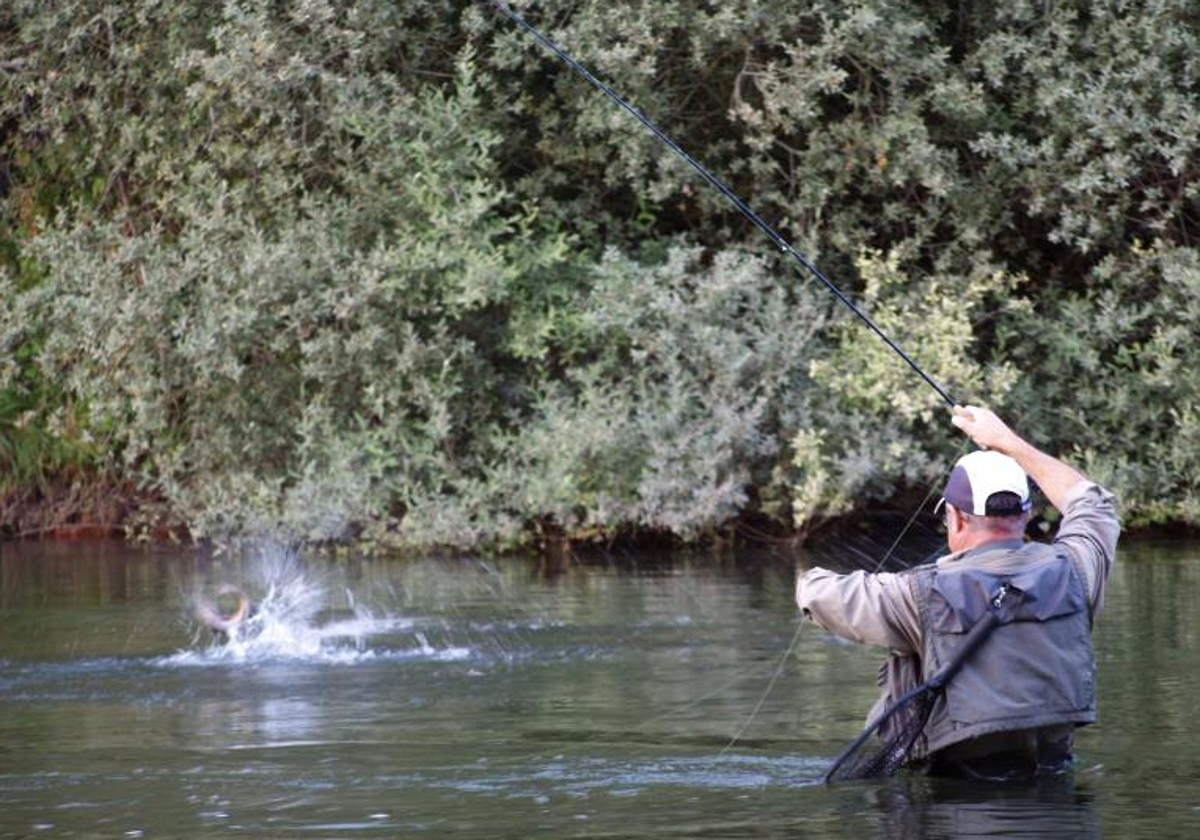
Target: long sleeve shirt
{"x": 881, "y": 609}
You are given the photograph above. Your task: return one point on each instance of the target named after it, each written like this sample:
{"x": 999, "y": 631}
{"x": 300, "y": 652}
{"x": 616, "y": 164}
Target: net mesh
{"x": 874, "y": 757}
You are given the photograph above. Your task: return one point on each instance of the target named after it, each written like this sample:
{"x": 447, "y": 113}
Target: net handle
{"x": 975, "y": 637}
{"x": 887, "y": 715}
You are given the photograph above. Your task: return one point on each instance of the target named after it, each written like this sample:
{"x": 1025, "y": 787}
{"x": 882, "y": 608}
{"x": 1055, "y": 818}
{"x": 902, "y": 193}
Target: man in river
{"x": 1011, "y": 712}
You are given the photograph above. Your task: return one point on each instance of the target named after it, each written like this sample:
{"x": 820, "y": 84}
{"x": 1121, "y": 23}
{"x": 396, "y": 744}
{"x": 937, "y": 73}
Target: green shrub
{"x": 1115, "y": 379}
{"x": 391, "y": 270}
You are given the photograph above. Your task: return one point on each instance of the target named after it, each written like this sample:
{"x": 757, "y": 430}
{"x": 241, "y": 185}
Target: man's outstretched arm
{"x": 872, "y": 609}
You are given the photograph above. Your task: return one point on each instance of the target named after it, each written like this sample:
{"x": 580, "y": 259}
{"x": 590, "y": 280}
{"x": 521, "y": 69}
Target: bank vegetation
{"x": 388, "y": 271}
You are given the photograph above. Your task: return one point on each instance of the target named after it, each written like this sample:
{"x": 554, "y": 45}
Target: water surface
{"x": 501, "y": 698}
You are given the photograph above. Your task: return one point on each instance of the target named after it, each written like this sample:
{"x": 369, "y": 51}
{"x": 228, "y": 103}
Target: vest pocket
{"x": 1027, "y": 671}
{"x": 1035, "y": 669}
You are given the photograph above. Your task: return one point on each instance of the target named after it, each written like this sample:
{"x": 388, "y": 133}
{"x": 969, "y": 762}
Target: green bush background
{"x": 387, "y": 270}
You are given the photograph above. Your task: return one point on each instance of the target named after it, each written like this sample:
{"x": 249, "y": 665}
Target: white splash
{"x": 292, "y": 617}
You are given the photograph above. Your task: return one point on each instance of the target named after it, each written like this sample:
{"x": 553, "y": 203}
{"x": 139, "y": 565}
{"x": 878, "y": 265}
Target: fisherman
{"x": 1011, "y": 712}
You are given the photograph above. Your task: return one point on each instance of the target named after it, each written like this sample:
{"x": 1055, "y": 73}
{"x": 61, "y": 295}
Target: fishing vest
{"x": 1037, "y": 668}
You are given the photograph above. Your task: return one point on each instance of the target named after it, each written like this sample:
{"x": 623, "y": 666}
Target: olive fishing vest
{"x": 1036, "y": 669}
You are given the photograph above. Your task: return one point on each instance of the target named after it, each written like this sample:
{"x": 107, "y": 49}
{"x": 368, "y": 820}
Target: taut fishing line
{"x": 779, "y": 669}
{"x": 932, "y": 491}
{"x": 782, "y": 244}
{"x": 787, "y": 654}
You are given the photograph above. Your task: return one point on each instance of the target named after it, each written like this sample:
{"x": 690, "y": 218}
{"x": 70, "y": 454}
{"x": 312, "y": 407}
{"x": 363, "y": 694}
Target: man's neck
{"x": 977, "y": 539}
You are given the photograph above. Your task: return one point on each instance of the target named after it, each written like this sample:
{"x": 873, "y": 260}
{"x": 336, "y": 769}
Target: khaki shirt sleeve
{"x": 874, "y": 609}
{"x": 1089, "y": 530}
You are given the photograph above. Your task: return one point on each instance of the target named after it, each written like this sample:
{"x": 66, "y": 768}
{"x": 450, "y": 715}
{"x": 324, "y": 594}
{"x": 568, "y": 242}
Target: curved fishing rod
{"x": 720, "y": 185}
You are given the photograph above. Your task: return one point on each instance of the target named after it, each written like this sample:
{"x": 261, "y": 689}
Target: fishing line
{"x": 779, "y": 669}
{"x": 932, "y": 490}
{"x": 787, "y": 654}
{"x": 745, "y": 209}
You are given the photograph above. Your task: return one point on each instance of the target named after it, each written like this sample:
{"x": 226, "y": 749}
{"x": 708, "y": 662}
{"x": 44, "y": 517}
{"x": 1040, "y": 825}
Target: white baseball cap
{"x": 979, "y": 476}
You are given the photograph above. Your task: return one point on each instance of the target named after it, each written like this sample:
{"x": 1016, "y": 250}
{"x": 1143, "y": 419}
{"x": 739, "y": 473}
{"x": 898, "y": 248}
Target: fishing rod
{"x": 743, "y": 208}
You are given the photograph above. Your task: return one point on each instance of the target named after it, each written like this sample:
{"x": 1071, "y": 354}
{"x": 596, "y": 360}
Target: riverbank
{"x": 86, "y": 508}
{"x": 111, "y": 510}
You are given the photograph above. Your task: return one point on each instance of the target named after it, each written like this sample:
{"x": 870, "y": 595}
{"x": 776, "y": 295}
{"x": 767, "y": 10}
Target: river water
{"x": 505, "y": 698}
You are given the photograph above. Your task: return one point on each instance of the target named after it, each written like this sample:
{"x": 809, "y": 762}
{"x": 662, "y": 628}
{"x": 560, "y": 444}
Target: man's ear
{"x": 954, "y": 520}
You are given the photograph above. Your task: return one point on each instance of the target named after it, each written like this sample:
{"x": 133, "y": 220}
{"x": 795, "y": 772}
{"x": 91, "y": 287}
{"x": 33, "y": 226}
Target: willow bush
{"x": 389, "y": 270}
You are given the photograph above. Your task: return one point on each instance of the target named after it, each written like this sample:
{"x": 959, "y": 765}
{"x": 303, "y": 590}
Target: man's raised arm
{"x": 1090, "y": 526}
{"x": 1057, "y": 480}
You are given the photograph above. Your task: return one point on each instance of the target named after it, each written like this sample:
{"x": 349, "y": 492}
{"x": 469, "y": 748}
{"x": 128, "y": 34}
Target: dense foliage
{"x": 388, "y": 269}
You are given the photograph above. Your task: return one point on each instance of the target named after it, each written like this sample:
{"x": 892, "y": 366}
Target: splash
{"x": 292, "y": 614}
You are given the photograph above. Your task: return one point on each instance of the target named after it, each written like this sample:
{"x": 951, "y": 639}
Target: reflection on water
{"x": 913, "y": 808}
{"x": 493, "y": 699}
